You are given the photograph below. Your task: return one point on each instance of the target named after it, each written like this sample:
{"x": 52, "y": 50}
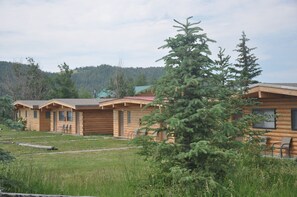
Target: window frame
{"x": 128, "y": 117}
{"x": 262, "y": 109}
{"x": 61, "y": 115}
{"x": 35, "y": 114}
{"x": 292, "y": 120}
{"x": 47, "y": 114}
{"x": 69, "y": 118}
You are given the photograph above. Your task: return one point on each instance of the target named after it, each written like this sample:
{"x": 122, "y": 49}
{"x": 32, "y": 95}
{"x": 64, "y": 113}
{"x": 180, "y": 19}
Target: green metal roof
{"x": 106, "y": 94}
{"x": 139, "y": 89}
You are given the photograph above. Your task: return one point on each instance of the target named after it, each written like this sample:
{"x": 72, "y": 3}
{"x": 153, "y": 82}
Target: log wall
{"x": 283, "y": 107}
{"x": 90, "y": 122}
{"x": 34, "y": 124}
{"x": 137, "y": 113}
{"x": 97, "y": 122}
{"x": 63, "y": 124}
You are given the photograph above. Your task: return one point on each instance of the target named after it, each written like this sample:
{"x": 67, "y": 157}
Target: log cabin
{"x": 127, "y": 115}
{"x": 79, "y": 116}
{"x": 279, "y": 101}
{"x": 35, "y": 119}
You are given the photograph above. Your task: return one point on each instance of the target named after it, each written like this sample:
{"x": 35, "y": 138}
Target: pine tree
{"x": 63, "y": 86}
{"x": 120, "y": 85}
{"x": 194, "y": 111}
{"x": 36, "y": 82}
{"x": 246, "y": 67}
{"x": 140, "y": 80}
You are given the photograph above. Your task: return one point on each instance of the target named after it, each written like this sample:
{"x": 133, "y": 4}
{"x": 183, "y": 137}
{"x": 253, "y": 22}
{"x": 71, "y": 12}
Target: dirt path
{"x": 87, "y": 151}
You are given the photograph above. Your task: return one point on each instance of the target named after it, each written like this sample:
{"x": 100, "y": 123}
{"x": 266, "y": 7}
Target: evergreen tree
{"x": 120, "y": 85}
{"x": 140, "y": 80}
{"x": 36, "y": 82}
{"x": 83, "y": 93}
{"x": 246, "y": 67}
{"x": 6, "y": 108}
{"x": 223, "y": 75}
{"x": 196, "y": 111}
{"x": 223, "y": 68}
{"x": 63, "y": 86}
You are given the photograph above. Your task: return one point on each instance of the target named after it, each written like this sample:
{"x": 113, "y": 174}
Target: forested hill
{"x": 7, "y": 76}
{"x": 87, "y": 78}
{"x": 97, "y": 78}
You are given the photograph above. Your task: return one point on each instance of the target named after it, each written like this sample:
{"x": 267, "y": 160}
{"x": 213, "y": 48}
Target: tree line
{"x": 27, "y": 81}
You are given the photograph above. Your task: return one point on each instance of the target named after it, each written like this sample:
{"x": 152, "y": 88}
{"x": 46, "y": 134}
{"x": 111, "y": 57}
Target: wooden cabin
{"x": 79, "y": 116}
{"x": 279, "y": 101}
{"x": 127, "y": 115}
{"x": 28, "y": 110}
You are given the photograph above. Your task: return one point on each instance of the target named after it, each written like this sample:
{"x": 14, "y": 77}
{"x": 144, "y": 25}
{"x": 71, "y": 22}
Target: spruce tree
{"x": 195, "y": 110}
{"x": 246, "y": 67}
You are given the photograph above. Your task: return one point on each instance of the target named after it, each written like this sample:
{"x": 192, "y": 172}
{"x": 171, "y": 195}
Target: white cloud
{"x": 88, "y": 32}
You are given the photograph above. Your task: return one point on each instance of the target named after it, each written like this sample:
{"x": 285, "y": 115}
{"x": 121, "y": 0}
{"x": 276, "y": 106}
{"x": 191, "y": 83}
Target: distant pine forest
{"x": 87, "y": 79}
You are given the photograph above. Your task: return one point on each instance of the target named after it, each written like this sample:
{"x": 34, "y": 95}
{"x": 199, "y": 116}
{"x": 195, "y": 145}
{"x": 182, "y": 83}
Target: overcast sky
{"x": 94, "y": 32}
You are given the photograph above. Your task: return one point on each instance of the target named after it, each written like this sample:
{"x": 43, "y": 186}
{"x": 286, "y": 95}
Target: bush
{"x": 17, "y": 125}
{"x": 5, "y": 156}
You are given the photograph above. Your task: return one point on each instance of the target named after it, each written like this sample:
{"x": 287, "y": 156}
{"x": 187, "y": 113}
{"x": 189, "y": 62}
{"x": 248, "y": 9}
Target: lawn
{"x": 98, "y": 173}
{"x": 121, "y": 172}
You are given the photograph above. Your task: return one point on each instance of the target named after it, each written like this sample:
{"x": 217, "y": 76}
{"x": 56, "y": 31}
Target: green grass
{"x": 265, "y": 177}
{"x": 114, "y": 173}
{"x": 122, "y": 172}
{"x": 61, "y": 141}
{"x": 104, "y": 173}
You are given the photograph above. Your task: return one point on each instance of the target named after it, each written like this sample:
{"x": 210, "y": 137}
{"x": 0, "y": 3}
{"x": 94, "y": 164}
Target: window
{"x": 294, "y": 119}
{"x": 61, "y": 116}
{"x": 47, "y": 115}
{"x": 26, "y": 114}
{"x": 128, "y": 117}
{"x": 269, "y": 119}
{"x": 69, "y": 115}
{"x": 35, "y": 114}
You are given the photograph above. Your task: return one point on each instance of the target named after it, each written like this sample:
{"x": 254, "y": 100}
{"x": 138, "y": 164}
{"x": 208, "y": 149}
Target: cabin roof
{"x": 139, "y": 100}
{"x": 262, "y": 90}
{"x": 32, "y": 104}
{"x": 277, "y": 85}
{"x": 75, "y": 103}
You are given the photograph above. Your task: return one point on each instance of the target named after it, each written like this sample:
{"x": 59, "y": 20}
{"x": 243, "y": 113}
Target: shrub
{"x": 17, "y": 125}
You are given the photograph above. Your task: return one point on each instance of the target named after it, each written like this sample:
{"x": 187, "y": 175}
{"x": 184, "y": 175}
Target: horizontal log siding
{"x": 137, "y": 113}
{"x": 32, "y": 124}
{"x": 65, "y": 122}
{"x": 97, "y": 122}
{"x": 283, "y": 108}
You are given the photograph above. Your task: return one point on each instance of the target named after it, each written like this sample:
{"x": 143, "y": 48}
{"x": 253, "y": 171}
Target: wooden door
{"x": 55, "y": 121}
{"x": 121, "y": 123}
{"x": 77, "y": 123}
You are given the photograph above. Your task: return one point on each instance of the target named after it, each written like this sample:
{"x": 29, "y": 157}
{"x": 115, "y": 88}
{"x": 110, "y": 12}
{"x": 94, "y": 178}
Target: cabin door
{"x": 55, "y": 121}
{"x": 121, "y": 123}
{"x": 77, "y": 123}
